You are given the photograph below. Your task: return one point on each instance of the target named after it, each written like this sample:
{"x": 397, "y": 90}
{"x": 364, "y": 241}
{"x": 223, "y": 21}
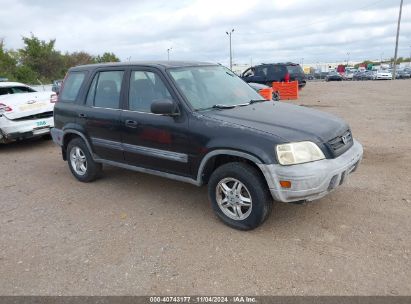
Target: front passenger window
{"x": 145, "y": 88}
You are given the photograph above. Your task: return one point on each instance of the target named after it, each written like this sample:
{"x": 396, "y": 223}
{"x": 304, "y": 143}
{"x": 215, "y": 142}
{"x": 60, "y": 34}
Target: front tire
{"x": 239, "y": 196}
{"x": 80, "y": 161}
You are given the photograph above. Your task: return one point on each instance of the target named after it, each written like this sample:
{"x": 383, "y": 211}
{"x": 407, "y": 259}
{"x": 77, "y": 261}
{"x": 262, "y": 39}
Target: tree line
{"x": 39, "y": 62}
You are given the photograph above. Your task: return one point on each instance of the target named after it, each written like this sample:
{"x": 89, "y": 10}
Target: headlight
{"x": 298, "y": 153}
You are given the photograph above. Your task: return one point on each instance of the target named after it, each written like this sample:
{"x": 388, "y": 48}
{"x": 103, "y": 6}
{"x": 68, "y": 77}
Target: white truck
{"x": 24, "y": 112}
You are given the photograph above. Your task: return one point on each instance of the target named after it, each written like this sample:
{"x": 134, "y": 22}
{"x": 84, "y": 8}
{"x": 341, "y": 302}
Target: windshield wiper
{"x": 223, "y": 106}
{"x": 256, "y": 100}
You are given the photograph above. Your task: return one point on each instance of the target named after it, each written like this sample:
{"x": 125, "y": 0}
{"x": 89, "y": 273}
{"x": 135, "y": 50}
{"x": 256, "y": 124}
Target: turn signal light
{"x": 285, "y": 184}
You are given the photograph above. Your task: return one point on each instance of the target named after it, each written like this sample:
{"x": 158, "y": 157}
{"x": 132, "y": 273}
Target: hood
{"x": 287, "y": 121}
{"x": 27, "y": 104}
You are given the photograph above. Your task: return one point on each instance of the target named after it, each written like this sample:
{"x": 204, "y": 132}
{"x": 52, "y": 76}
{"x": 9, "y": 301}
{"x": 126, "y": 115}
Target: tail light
{"x": 53, "y": 98}
{"x": 287, "y": 77}
{"x": 4, "y": 108}
{"x": 61, "y": 86}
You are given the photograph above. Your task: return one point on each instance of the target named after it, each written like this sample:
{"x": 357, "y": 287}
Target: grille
{"x": 35, "y": 116}
{"x": 341, "y": 143}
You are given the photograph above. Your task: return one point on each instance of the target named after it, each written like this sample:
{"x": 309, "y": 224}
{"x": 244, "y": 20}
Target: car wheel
{"x": 239, "y": 196}
{"x": 80, "y": 162}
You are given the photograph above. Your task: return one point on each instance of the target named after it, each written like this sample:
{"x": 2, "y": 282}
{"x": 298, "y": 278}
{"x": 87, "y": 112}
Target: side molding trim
{"x": 149, "y": 171}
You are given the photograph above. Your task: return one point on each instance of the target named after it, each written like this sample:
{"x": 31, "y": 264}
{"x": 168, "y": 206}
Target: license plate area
{"x": 41, "y": 127}
{"x": 42, "y": 130}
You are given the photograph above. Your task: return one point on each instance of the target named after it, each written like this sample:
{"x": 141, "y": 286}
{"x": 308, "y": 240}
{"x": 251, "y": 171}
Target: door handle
{"x": 131, "y": 123}
{"x": 82, "y": 115}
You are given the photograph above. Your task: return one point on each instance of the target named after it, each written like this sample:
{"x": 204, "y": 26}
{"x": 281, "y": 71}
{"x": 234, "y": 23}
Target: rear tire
{"x": 239, "y": 196}
{"x": 80, "y": 161}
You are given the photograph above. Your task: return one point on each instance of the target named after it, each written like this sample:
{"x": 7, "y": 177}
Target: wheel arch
{"x": 68, "y": 135}
{"x": 216, "y": 158}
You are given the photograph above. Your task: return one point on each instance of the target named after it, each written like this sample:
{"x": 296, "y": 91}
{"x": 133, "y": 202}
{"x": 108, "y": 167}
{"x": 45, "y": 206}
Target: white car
{"x": 383, "y": 75}
{"x": 24, "y": 112}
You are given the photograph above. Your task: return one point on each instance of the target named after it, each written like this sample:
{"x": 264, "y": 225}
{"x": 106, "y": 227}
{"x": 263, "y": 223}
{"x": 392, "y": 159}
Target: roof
{"x": 281, "y": 63}
{"x": 4, "y": 84}
{"x": 158, "y": 64}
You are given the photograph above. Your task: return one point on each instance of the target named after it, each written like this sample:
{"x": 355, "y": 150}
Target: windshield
{"x": 208, "y": 86}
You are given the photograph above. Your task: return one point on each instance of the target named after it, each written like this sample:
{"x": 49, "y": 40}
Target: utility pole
{"x": 231, "y": 53}
{"x": 409, "y": 62}
{"x": 382, "y": 54}
{"x": 168, "y": 53}
{"x": 396, "y": 41}
{"x": 348, "y": 58}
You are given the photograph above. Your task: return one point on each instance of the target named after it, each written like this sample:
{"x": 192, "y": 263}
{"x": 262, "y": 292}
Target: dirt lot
{"x": 131, "y": 233}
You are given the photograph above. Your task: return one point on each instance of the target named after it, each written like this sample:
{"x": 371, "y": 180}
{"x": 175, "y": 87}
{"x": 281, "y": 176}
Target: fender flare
{"x": 73, "y": 131}
{"x": 213, "y": 153}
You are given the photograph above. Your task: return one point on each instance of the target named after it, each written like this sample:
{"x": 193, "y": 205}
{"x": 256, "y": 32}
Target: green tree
{"x": 78, "y": 58}
{"x": 107, "y": 57}
{"x": 25, "y": 74}
{"x": 41, "y": 57}
{"x": 7, "y": 62}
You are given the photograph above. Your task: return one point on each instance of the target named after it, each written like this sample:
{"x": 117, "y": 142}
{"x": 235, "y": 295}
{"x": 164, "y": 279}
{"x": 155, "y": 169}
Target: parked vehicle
{"x": 275, "y": 72}
{"x": 333, "y": 76}
{"x": 370, "y": 75}
{"x": 24, "y": 112}
{"x": 402, "y": 74}
{"x": 360, "y": 75}
{"x": 57, "y": 86}
{"x": 200, "y": 123}
{"x": 383, "y": 75}
{"x": 348, "y": 75}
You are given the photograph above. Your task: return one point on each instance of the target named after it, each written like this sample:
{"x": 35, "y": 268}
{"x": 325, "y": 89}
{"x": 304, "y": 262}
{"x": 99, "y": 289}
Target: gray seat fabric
{"x": 142, "y": 94}
{"x": 107, "y": 94}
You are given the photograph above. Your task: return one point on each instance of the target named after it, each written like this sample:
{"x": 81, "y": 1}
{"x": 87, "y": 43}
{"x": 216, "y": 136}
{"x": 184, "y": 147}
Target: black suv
{"x": 267, "y": 73}
{"x": 200, "y": 123}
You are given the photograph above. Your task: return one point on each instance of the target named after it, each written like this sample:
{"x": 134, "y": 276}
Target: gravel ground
{"x": 136, "y": 234}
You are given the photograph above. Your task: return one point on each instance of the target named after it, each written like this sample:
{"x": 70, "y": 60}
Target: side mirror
{"x": 164, "y": 107}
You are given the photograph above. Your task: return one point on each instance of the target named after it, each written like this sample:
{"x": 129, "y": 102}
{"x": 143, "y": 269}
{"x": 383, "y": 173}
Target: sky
{"x": 264, "y": 31}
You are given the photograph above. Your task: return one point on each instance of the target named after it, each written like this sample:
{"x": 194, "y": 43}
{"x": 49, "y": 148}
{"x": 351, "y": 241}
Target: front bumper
{"x": 11, "y": 130}
{"x": 383, "y": 77}
{"x": 312, "y": 180}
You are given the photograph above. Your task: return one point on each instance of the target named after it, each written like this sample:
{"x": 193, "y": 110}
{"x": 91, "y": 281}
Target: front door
{"x": 153, "y": 141}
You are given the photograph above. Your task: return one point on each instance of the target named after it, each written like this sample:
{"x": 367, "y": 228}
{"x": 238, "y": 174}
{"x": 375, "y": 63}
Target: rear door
{"x": 100, "y": 115}
{"x": 153, "y": 141}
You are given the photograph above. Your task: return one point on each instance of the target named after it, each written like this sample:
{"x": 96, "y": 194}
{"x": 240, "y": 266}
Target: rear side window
{"x": 105, "y": 90}
{"x": 277, "y": 72}
{"x": 294, "y": 70}
{"x": 72, "y": 86}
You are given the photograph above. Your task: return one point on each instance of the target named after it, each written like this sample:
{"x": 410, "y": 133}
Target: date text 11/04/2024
{"x": 203, "y": 299}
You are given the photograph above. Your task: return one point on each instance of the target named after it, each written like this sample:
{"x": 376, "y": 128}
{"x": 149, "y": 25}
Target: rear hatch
{"x": 28, "y": 105}
{"x": 296, "y": 73}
